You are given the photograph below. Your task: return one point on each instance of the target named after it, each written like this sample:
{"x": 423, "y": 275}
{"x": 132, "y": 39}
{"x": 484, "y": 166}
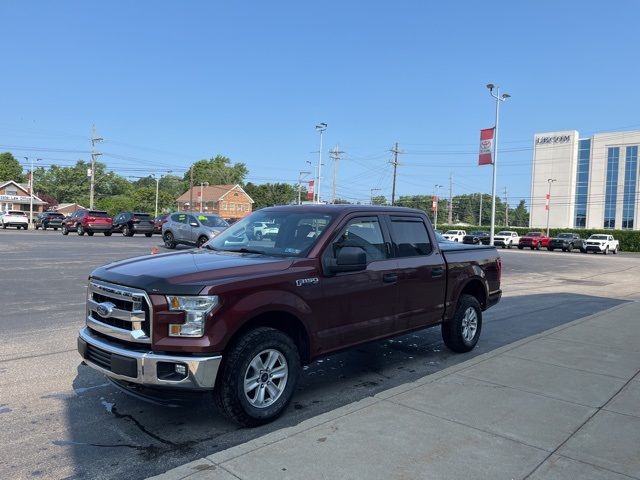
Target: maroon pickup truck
{"x": 240, "y": 316}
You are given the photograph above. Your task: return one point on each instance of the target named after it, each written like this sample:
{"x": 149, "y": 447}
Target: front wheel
{"x": 80, "y": 230}
{"x": 461, "y": 333}
{"x": 258, "y": 377}
{"x": 148, "y": 235}
{"x": 509, "y": 246}
{"x": 107, "y": 234}
{"x": 90, "y": 234}
{"x": 65, "y": 231}
{"x": 258, "y": 235}
{"x": 169, "y": 240}
{"x": 37, "y": 227}
{"x": 538, "y": 246}
{"x": 520, "y": 247}
{"x": 606, "y": 250}
{"x": 201, "y": 241}
{"x": 615, "y": 251}
{"x": 551, "y": 249}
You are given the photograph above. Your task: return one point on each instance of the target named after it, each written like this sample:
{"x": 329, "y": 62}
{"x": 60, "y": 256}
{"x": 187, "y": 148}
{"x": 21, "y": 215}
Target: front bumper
{"x": 145, "y": 367}
{"x": 595, "y": 248}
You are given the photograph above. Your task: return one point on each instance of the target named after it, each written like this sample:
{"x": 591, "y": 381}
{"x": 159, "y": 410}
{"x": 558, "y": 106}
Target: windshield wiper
{"x": 246, "y": 250}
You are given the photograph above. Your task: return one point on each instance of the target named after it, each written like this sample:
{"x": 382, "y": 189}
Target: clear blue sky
{"x": 167, "y": 83}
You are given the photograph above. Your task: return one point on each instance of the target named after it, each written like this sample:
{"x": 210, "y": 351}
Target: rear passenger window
{"x": 364, "y": 233}
{"x": 410, "y": 237}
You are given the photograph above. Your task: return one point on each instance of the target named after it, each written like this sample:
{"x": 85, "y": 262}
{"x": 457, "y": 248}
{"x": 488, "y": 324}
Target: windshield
{"x": 13, "y": 212}
{"x": 504, "y": 234}
{"x": 451, "y": 232}
{"x": 291, "y": 234}
{"x": 565, "y": 235}
{"x": 142, "y": 216}
{"x": 55, "y": 215}
{"x": 533, "y": 234}
{"x": 598, "y": 237}
{"x": 212, "y": 221}
{"x": 478, "y": 233}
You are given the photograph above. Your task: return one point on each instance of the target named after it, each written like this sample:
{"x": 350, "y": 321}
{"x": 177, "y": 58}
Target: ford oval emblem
{"x": 105, "y": 309}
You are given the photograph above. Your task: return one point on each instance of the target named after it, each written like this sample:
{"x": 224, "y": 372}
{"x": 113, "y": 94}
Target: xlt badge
{"x": 307, "y": 281}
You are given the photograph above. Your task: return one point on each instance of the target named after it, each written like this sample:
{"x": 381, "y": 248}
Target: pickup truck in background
{"x": 240, "y": 317}
{"x": 602, "y": 243}
{"x": 534, "y": 241}
{"x": 14, "y": 218}
{"x": 506, "y": 239}
{"x": 454, "y": 235}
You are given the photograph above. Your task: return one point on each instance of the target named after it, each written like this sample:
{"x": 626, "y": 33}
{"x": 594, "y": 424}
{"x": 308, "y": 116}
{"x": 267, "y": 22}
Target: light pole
{"x": 158, "y": 190}
{"x": 499, "y": 98}
{"x": 202, "y": 185}
{"x": 321, "y": 127}
{"x": 371, "y": 195}
{"x": 31, "y": 191}
{"x": 550, "y": 180}
{"x": 436, "y": 189}
{"x": 301, "y": 176}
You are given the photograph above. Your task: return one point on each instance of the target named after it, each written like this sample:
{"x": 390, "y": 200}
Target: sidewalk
{"x": 561, "y": 404}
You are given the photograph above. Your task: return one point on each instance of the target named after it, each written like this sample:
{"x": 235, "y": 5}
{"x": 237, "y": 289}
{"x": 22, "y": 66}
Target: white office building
{"x": 585, "y": 182}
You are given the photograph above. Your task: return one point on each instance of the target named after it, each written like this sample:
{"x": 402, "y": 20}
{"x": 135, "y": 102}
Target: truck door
{"x": 422, "y": 273}
{"x": 361, "y": 305}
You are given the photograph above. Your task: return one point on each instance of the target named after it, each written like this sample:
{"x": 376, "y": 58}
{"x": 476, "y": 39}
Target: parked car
{"x": 48, "y": 220}
{"x": 534, "y": 241}
{"x": 130, "y": 223}
{"x": 567, "y": 242}
{"x": 159, "y": 221}
{"x": 603, "y": 244}
{"x": 475, "y": 238}
{"x": 455, "y": 235}
{"x": 506, "y": 239}
{"x": 239, "y": 318}
{"x": 14, "y": 218}
{"x": 191, "y": 228}
{"x": 89, "y": 222}
{"x": 256, "y": 230}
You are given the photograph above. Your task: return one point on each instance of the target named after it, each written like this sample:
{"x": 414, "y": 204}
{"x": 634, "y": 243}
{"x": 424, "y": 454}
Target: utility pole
{"x": 321, "y": 127}
{"x": 395, "y": 164}
{"x": 191, "y": 186}
{"x": 436, "y": 191}
{"x": 94, "y": 140}
{"x": 450, "y": 217}
{"x": 480, "y": 212}
{"x": 506, "y": 208}
{"x": 548, "y": 202}
{"x": 335, "y": 156}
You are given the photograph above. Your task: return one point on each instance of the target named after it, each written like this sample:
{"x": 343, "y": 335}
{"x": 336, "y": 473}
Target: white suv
{"x": 14, "y": 218}
{"x": 506, "y": 238}
{"x": 454, "y": 235}
{"x": 602, "y": 243}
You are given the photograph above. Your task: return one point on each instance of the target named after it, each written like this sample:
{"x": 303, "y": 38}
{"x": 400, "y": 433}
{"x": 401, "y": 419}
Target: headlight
{"x": 196, "y": 309}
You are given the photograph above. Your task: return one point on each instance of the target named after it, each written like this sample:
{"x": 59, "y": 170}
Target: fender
{"x": 473, "y": 273}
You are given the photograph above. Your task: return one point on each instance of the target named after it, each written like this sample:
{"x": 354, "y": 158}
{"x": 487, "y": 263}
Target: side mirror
{"x": 349, "y": 259}
{"x": 194, "y": 224}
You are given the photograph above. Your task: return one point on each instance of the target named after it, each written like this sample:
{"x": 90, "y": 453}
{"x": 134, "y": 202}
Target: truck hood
{"x": 187, "y": 272}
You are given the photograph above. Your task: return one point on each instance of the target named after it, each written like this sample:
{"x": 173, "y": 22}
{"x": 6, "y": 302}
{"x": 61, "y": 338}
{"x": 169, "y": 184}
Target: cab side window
{"x": 365, "y": 233}
{"x": 410, "y": 237}
{"x": 179, "y": 218}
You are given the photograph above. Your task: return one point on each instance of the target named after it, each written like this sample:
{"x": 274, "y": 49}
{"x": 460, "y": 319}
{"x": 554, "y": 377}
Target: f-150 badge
{"x": 307, "y": 281}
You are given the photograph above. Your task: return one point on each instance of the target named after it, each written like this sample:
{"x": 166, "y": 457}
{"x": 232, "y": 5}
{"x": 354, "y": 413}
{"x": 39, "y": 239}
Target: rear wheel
{"x": 258, "y": 377}
{"x": 570, "y": 249}
{"x": 615, "y": 251}
{"x": 551, "y": 249}
{"x": 258, "y": 235}
{"x": 538, "y": 246}
{"x": 107, "y": 234}
{"x": 55, "y": 229}
{"x": 80, "y": 230}
{"x": 520, "y": 247}
{"x": 36, "y": 227}
{"x": 169, "y": 240}
{"x": 148, "y": 235}
{"x": 90, "y": 234}
{"x": 126, "y": 231}
{"x": 461, "y": 333}
{"x": 64, "y": 230}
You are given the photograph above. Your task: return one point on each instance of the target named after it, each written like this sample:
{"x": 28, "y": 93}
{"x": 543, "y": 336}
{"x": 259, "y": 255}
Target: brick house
{"x": 227, "y": 201}
{"x": 14, "y": 196}
{"x": 68, "y": 208}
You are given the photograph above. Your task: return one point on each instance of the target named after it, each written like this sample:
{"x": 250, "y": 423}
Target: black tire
{"x": 539, "y": 246}
{"x": 570, "y": 249}
{"x": 520, "y": 247}
{"x": 107, "y": 234}
{"x": 36, "y": 227}
{"x": 90, "y": 234}
{"x": 55, "y": 229}
{"x": 551, "y": 249}
{"x": 503, "y": 245}
{"x": 258, "y": 235}
{"x": 80, "y": 230}
{"x": 126, "y": 231}
{"x": 4, "y": 227}
{"x": 606, "y": 250}
{"x": 201, "y": 241}
{"x": 229, "y": 394}
{"x": 509, "y": 246}
{"x": 169, "y": 240}
{"x": 615, "y": 251}
{"x": 65, "y": 231}
{"x": 148, "y": 235}
{"x": 583, "y": 250}
{"x": 452, "y": 330}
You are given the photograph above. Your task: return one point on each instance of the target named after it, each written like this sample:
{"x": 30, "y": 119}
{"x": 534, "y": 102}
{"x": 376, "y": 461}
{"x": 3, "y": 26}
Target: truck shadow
{"x": 113, "y": 435}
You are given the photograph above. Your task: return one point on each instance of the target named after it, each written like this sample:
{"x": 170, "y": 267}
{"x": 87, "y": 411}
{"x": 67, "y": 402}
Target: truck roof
{"x": 344, "y": 208}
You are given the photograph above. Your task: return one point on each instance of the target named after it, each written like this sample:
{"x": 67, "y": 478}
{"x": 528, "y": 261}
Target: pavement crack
{"x": 141, "y": 427}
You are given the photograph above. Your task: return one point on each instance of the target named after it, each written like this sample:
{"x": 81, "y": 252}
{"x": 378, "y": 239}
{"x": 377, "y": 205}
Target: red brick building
{"x": 227, "y": 201}
{"x": 14, "y": 196}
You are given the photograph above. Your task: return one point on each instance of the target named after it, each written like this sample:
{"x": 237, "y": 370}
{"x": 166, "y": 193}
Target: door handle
{"x": 437, "y": 272}
{"x": 390, "y": 277}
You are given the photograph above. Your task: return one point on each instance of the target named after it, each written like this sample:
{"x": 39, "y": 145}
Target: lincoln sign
{"x": 552, "y": 140}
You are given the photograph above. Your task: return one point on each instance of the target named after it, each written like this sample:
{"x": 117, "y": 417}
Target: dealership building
{"x": 585, "y": 182}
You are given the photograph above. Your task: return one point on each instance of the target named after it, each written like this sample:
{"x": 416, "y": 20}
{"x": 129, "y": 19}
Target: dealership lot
{"x": 66, "y": 420}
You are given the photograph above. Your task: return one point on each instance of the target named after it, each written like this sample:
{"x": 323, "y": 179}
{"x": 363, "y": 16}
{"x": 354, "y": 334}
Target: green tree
{"x": 10, "y": 168}
{"x": 379, "y": 200}
{"x": 217, "y": 171}
{"x": 519, "y": 216}
{"x": 269, "y": 194}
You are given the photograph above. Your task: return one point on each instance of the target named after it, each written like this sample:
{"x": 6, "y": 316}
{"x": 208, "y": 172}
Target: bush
{"x": 629, "y": 239}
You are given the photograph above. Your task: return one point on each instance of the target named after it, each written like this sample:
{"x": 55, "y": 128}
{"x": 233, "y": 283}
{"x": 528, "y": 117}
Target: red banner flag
{"x": 310, "y": 190}
{"x": 434, "y": 203}
{"x": 546, "y": 203}
{"x": 486, "y": 146}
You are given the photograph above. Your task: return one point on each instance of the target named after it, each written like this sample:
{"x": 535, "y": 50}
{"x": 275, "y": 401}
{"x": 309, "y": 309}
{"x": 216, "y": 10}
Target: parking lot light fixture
{"x": 548, "y": 205}
{"x": 321, "y": 127}
{"x": 436, "y": 191}
{"x": 202, "y": 185}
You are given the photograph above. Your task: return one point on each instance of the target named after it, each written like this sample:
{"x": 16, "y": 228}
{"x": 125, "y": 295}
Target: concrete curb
{"x": 215, "y": 461}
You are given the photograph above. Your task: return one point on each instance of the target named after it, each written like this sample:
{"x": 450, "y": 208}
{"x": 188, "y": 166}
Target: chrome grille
{"x": 120, "y": 312}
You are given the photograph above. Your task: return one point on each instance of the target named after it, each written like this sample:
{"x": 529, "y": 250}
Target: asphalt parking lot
{"x": 63, "y": 420}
